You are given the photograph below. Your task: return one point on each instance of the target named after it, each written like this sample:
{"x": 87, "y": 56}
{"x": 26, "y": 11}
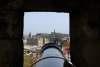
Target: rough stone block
{"x": 11, "y": 25}
{"x": 11, "y": 53}
{"x": 11, "y": 4}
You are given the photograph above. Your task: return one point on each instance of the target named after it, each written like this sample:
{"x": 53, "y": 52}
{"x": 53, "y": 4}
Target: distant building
{"x": 32, "y": 41}
{"x": 35, "y": 40}
{"x": 40, "y": 41}
{"x": 30, "y": 35}
{"x": 45, "y": 41}
{"x": 63, "y": 38}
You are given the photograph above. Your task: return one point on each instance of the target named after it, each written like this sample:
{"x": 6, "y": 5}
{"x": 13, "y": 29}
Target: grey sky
{"x": 46, "y": 22}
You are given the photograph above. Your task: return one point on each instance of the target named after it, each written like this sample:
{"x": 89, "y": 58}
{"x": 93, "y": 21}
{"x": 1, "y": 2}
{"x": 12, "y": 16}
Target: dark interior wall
{"x": 11, "y": 44}
{"x": 60, "y": 5}
{"x": 84, "y": 38}
{"x": 84, "y": 29}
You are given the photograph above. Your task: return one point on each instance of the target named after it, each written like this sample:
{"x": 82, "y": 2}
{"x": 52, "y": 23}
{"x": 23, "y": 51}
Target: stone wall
{"x": 84, "y": 29}
{"x": 11, "y": 34}
{"x": 85, "y": 38}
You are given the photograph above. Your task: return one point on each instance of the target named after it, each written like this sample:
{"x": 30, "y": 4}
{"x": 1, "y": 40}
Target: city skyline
{"x": 46, "y": 33}
{"x": 46, "y": 22}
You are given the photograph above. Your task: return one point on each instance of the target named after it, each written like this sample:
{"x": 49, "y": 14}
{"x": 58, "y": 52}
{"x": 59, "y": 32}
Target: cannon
{"x": 51, "y": 55}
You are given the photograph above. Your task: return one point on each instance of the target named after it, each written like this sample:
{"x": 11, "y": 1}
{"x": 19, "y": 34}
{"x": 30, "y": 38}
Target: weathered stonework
{"x": 11, "y": 51}
{"x": 11, "y": 43}
{"x": 11, "y": 4}
{"x": 84, "y": 29}
{"x": 11, "y": 25}
{"x": 84, "y": 39}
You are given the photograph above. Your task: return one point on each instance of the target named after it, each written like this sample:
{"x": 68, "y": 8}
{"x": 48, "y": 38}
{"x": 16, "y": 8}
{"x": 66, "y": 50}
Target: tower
{"x": 54, "y": 35}
{"x": 54, "y": 31}
{"x": 30, "y": 35}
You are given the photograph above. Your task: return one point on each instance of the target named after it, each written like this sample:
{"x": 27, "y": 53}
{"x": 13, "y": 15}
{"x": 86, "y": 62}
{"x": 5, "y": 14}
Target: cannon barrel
{"x": 51, "y": 56}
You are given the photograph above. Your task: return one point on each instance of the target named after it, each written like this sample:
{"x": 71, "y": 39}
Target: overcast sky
{"x": 46, "y": 22}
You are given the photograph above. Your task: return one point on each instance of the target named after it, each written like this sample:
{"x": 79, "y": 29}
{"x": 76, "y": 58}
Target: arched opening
{"x": 41, "y": 28}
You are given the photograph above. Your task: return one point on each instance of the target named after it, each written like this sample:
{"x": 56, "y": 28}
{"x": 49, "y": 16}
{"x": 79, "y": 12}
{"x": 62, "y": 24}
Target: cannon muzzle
{"x": 51, "y": 55}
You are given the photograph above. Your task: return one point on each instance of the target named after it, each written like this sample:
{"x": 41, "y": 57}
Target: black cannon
{"x": 52, "y": 56}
